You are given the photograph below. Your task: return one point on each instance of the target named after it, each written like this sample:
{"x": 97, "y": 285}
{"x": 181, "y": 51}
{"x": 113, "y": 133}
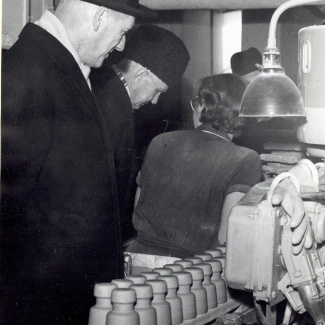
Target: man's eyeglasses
{"x": 195, "y": 102}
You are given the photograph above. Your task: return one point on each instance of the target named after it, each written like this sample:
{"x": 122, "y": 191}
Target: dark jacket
{"x": 119, "y": 127}
{"x": 185, "y": 178}
{"x": 59, "y": 215}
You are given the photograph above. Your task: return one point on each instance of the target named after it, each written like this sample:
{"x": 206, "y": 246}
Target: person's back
{"x": 185, "y": 178}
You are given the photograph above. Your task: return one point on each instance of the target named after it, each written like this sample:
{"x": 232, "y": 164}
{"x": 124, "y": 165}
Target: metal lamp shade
{"x": 272, "y": 94}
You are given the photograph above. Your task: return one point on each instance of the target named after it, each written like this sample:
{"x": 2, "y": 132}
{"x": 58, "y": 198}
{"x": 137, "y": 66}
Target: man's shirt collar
{"x": 52, "y": 25}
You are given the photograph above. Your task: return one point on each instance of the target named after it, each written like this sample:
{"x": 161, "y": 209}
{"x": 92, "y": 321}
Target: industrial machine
{"x": 259, "y": 248}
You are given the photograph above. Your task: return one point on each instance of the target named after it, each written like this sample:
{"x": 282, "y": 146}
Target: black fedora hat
{"x": 245, "y": 62}
{"x": 129, "y": 7}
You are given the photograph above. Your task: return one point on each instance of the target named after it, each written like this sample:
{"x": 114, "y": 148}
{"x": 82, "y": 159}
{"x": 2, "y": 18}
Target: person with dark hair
{"x": 154, "y": 59}
{"x": 60, "y": 227}
{"x": 245, "y": 63}
{"x": 186, "y": 175}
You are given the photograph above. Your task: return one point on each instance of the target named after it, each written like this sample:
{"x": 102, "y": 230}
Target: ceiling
{"x": 219, "y": 4}
{"x": 211, "y": 4}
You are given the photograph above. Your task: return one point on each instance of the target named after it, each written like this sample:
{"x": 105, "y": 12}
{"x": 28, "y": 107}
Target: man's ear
{"x": 100, "y": 15}
{"x": 140, "y": 74}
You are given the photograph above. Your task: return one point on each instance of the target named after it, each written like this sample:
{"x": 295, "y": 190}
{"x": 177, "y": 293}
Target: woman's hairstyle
{"x": 220, "y": 96}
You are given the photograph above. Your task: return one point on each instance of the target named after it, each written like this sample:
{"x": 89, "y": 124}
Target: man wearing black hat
{"x": 154, "y": 59}
{"x": 60, "y": 231}
{"x": 245, "y": 63}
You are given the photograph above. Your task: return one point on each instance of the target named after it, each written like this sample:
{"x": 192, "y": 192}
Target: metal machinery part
{"x": 259, "y": 250}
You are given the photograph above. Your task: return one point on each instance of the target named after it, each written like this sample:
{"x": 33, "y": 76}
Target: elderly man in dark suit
{"x": 60, "y": 231}
{"x": 154, "y": 60}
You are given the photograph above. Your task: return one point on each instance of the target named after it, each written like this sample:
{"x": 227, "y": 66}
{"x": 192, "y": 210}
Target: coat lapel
{"x": 64, "y": 59}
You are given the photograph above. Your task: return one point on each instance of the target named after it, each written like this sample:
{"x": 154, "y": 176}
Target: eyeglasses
{"x": 195, "y": 102}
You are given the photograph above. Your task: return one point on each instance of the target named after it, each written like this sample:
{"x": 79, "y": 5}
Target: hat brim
{"x": 141, "y": 11}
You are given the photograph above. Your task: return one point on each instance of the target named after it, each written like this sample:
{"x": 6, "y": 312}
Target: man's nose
{"x": 120, "y": 46}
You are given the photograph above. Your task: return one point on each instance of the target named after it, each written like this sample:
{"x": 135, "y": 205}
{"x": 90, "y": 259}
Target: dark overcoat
{"x": 119, "y": 124}
{"x": 60, "y": 229}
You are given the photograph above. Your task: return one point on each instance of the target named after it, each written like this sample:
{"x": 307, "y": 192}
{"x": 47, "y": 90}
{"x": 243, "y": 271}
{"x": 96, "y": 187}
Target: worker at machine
{"x": 154, "y": 59}
{"x": 246, "y": 63}
{"x": 60, "y": 231}
{"x": 186, "y": 175}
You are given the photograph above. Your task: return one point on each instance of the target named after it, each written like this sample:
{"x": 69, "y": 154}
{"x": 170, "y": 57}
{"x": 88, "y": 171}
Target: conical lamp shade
{"x": 272, "y": 93}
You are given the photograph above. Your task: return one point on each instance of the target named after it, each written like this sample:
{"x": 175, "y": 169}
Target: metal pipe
{"x": 211, "y": 4}
{"x": 289, "y": 4}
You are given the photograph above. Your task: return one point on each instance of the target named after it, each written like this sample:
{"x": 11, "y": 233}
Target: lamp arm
{"x": 271, "y": 43}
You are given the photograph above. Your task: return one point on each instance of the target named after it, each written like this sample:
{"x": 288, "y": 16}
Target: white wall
{"x": 16, "y": 13}
{"x": 211, "y": 37}
{"x": 226, "y": 39}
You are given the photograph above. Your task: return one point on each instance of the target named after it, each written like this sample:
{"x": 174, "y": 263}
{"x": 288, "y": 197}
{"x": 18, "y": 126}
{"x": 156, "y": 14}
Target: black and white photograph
{"x": 162, "y": 162}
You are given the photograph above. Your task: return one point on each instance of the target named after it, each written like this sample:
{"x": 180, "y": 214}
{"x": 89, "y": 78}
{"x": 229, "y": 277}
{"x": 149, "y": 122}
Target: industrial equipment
{"x": 259, "y": 248}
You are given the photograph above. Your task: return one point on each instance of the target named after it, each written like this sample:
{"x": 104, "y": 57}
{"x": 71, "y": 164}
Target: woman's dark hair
{"x": 220, "y": 96}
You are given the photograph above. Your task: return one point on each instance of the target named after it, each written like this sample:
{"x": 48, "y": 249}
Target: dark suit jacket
{"x": 119, "y": 127}
{"x": 59, "y": 205}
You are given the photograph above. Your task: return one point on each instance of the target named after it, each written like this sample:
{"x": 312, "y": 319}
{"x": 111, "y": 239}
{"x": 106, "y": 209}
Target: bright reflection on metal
{"x": 272, "y": 93}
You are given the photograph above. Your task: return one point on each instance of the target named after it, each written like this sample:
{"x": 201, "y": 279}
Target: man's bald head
{"x": 94, "y": 31}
